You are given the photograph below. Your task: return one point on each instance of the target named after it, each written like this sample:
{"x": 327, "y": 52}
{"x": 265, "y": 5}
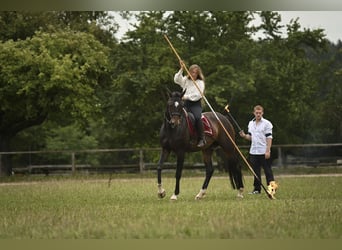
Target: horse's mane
{"x": 176, "y": 94}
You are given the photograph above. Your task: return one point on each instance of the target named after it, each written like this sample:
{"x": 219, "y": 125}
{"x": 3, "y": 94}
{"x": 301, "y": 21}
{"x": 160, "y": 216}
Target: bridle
{"x": 175, "y": 116}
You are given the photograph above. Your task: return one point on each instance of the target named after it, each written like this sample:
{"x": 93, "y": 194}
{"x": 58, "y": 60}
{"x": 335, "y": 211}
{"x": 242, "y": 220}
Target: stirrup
{"x": 201, "y": 143}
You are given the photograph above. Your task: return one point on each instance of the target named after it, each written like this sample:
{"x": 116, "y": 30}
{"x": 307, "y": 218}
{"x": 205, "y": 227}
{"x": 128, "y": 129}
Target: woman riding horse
{"x": 193, "y": 95}
{"x": 175, "y": 136}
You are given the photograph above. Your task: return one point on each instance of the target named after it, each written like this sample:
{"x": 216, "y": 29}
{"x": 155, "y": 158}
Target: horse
{"x": 176, "y": 136}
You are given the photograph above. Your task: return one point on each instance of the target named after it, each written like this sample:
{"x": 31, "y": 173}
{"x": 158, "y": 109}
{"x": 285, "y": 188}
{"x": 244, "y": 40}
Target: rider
{"x": 192, "y": 97}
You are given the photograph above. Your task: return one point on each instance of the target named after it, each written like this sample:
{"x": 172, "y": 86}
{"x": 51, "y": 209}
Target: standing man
{"x": 260, "y": 135}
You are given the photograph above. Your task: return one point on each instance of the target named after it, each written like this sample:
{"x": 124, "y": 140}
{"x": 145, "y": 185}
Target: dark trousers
{"x": 196, "y": 109}
{"x": 258, "y": 161}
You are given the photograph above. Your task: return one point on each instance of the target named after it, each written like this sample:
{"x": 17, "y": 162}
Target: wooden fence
{"x": 145, "y": 159}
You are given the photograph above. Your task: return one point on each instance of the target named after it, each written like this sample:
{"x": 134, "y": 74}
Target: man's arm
{"x": 268, "y": 147}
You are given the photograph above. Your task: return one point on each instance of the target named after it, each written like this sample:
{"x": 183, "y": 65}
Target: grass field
{"x": 91, "y": 207}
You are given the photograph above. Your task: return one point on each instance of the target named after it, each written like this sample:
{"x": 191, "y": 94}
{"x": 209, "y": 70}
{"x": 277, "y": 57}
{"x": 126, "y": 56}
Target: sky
{"x": 328, "y": 20}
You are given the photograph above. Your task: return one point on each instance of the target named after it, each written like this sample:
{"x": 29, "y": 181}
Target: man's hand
{"x": 268, "y": 155}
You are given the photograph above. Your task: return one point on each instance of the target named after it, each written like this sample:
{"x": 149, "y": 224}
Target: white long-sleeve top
{"x": 187, "y": 84}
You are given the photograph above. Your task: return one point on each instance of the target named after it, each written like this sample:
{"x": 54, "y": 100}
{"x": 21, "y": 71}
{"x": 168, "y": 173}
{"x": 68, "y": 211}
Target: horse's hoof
{"x": 161, "y": 194}
{"x": 240, "y": 193}
{"x": 173, "y": 197}
{"x": 200, "y": 195}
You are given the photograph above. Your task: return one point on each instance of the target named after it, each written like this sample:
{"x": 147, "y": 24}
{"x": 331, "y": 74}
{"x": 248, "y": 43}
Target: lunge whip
{"x": 230, "y": 115}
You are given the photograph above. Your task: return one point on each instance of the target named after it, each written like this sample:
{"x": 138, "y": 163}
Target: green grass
{"x": 85, "y": 207}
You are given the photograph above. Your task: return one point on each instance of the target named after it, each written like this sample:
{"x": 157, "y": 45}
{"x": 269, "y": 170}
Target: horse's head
{"x": 174, "y": 109}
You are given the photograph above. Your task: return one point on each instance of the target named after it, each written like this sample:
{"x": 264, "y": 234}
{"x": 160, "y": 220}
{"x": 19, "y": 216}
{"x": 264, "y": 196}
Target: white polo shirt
{"x": 259, "y": 132}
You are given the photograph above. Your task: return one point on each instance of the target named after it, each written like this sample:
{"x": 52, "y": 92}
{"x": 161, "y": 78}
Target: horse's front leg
{"x": 163, "y": 156}
{"x": 180, "y": 162}
{"x": 209, "y": 170}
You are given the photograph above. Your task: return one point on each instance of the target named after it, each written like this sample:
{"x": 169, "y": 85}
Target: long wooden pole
{"x": 218, "y": 119}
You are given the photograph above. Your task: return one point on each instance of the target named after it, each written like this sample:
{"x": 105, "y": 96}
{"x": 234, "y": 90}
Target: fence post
{"x": 280, "y": 158}
{"x": 141, "y": 161}
{"x": 73, "y": 165}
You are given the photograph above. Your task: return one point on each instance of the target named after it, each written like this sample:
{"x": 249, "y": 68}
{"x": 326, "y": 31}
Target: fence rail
{"x": 144, "y": 159}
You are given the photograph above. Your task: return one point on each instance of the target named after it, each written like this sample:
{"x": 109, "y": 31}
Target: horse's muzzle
{"x": 175, "y": 121}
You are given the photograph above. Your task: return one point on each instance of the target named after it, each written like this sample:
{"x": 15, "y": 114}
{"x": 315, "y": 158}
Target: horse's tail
{"x": 233, "y": 163}
{"x": 235, "y": 171}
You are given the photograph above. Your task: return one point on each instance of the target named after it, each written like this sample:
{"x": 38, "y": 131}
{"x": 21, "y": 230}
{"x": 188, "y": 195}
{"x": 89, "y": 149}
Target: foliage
{"x": 268, "y": 71}
{"x": 50, "y": 75}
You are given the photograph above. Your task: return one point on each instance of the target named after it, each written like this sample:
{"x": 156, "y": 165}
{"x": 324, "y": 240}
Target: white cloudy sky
{"x": 330, "y": 21}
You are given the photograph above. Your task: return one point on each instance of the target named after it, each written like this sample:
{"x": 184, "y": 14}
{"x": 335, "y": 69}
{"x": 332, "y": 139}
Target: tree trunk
{"x": 8, "y": 130}
{"x": 5, "y": 160}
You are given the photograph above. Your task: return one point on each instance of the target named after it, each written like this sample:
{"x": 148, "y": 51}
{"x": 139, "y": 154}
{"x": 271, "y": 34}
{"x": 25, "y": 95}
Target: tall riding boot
{"x": 200, "y": 131}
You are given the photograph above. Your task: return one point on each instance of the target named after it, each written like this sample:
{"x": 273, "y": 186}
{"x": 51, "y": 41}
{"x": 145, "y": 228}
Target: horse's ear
{"x": 183, "y": 93}
{"x": 168, "y": 91}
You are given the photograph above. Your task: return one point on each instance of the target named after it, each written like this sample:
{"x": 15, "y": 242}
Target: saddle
{"x": 207, "y": 127}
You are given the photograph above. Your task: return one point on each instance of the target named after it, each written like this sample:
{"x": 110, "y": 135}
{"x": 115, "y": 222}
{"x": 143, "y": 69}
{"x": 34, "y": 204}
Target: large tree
{"x": 286, "y": 79}
{"x": 48, "y": 74}
{"x": 144, "y": 66}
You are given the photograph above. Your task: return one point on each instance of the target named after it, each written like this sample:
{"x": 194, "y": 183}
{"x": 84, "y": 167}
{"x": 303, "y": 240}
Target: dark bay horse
{"x": 176, "y": 137}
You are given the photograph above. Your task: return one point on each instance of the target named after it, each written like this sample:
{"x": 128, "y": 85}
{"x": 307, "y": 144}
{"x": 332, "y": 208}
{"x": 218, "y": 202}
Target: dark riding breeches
{"x": 196, "y": 109}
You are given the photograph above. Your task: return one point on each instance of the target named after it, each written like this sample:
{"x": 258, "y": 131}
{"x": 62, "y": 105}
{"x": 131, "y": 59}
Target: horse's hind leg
{"x": 209, "y": 170}
{"x": 235, "y": 173}
{"x": 163, "y": 156}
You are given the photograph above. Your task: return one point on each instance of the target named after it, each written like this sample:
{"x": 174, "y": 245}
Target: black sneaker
{"x": 255, "y": 192}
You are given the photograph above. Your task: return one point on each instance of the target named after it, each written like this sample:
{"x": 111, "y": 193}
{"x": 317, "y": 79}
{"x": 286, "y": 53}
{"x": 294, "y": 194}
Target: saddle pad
{"x": 208, "y": 129}
{"x": 206, "y": 125}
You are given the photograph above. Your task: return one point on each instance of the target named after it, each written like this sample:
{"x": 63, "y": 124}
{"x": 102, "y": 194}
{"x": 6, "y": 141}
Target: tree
{"x": 144, "y": 66}
{"x": 19, "y": 25}
{"x": 134, "y": 104}
{"x": 286, "y": 76}
{"x": 45, "y": 75}
{"x": 328, "y": 101}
